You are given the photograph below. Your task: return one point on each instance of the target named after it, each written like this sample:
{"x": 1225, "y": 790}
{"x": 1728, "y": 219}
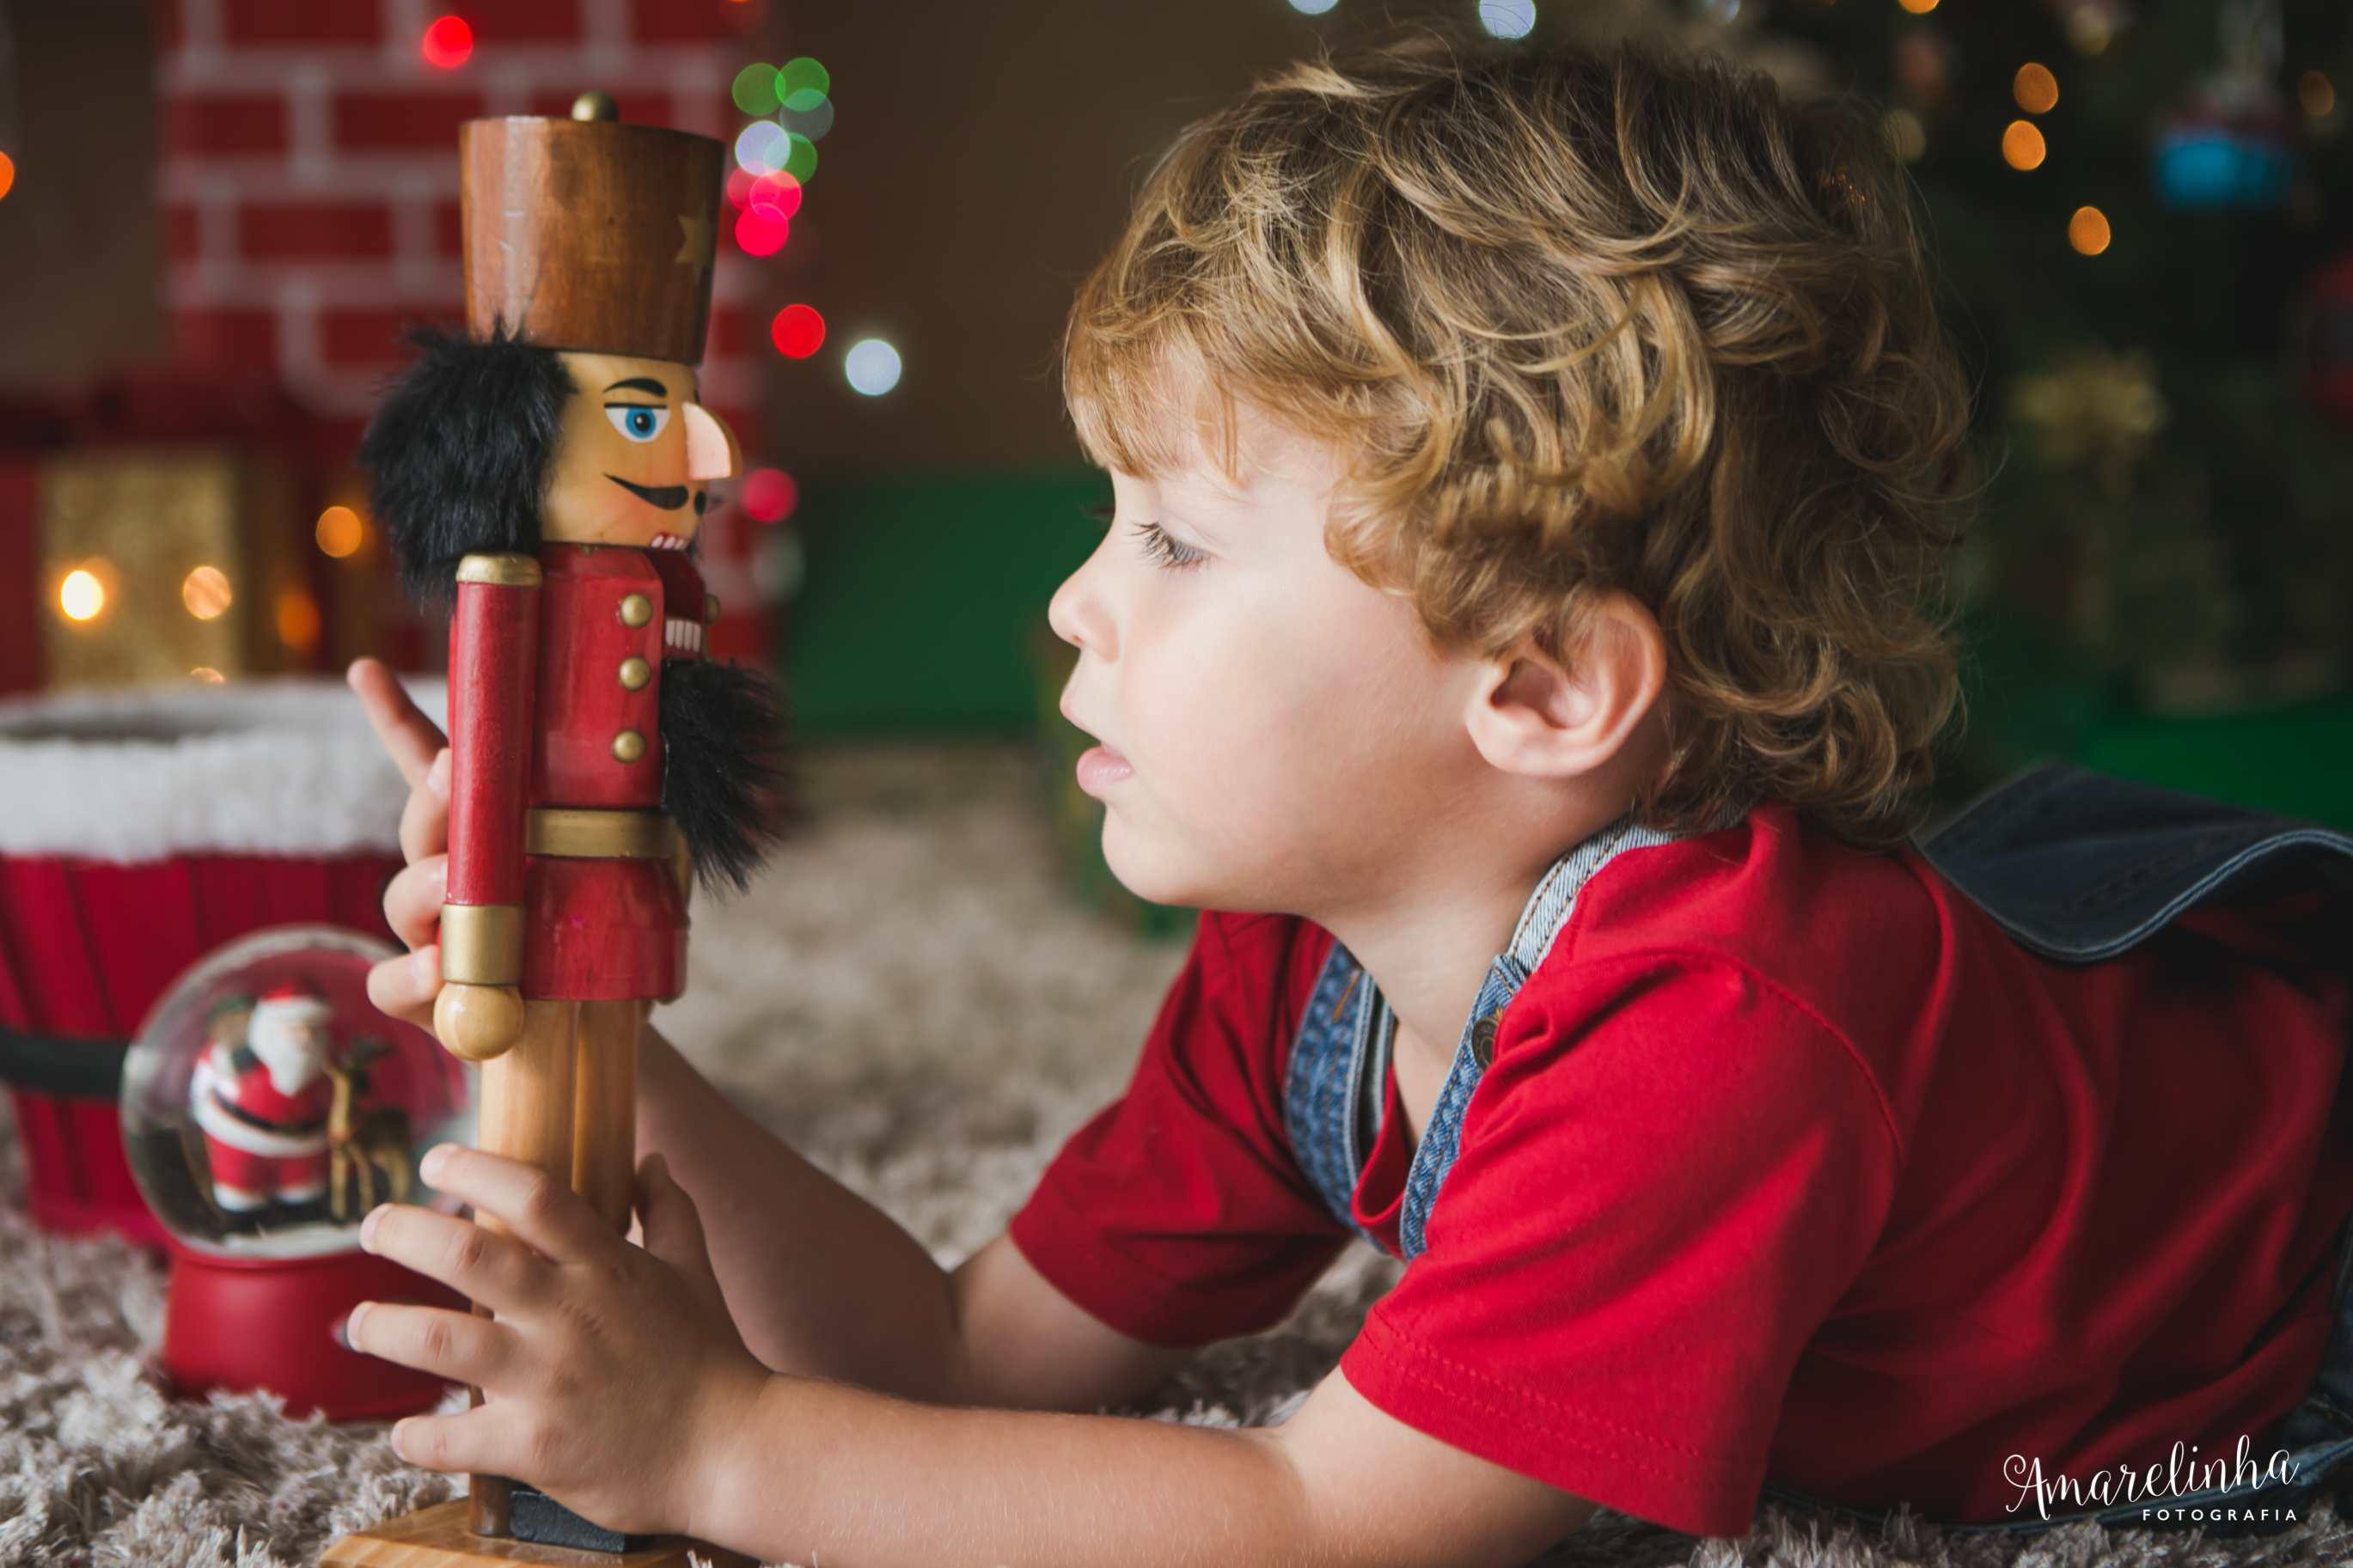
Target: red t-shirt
{"x": 1789, "y": 1165}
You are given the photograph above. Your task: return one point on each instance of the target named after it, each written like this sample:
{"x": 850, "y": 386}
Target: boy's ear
{"x": 1533, "y": 716}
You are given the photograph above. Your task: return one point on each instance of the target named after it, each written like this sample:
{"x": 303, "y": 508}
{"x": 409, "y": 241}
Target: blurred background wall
{"x": 219, "y": 215}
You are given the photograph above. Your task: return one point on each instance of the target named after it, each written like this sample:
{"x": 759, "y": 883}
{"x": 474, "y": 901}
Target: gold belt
{"x": 581, "y": 835}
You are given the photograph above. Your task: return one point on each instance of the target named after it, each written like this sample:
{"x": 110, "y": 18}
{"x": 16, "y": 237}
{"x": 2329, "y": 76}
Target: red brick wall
{"x": 308, "y": 182}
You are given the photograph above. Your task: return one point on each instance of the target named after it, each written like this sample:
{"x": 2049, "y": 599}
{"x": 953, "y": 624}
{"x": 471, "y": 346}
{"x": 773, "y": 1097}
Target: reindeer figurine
{"x": 358, "y": 1147}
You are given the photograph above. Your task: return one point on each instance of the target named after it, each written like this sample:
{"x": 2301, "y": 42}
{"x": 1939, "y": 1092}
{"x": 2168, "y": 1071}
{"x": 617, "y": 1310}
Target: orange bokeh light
{"x": 2088, "y": 232}
{"x": 2035, "y": 89}
{"x": 2022, "y": 146}
{"x": 7, "y": 174}
{"x": 340, "y": 531}
{"x": 206, "y": 592}
{"x": 297, "y": 620}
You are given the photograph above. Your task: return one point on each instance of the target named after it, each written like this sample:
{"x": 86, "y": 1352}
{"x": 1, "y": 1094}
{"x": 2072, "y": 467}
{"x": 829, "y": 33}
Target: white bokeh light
{"x": 873, "y": 366}
{"x": 1314, "y": 7}
{"x": 762, "y": 146}
{"x": 1508, "y": 18}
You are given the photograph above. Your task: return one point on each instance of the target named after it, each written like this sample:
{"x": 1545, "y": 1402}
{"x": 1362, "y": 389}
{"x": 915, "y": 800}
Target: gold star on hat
{"x": 700, "y": 242}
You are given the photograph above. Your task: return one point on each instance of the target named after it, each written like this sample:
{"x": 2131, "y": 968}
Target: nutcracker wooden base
{"x": 437, "y": 1537}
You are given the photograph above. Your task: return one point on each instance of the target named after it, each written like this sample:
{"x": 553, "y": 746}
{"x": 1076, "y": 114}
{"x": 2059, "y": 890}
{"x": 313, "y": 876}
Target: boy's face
{"x": 1277, "y": 734}
{"x": 637, "y": 455}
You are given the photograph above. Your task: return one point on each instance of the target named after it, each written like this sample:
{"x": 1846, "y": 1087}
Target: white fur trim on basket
{"x": 264, "y": 767}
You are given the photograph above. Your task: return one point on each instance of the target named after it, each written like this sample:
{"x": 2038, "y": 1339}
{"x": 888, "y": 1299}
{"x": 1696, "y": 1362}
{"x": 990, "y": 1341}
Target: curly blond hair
{"x": 1579, "y": 322}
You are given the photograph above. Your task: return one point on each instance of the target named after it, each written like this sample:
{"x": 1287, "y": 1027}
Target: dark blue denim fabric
{"x": 2076, "y": 865}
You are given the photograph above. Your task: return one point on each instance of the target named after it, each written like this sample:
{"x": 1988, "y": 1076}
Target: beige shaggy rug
{"x": 909, "y": 997}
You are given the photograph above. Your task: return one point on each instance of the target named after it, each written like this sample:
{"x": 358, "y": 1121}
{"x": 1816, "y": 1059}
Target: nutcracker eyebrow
{"x": 640, "y": 383}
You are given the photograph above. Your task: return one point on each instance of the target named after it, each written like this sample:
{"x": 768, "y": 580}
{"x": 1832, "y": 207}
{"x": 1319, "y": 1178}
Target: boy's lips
{"x": 1099, "y": 768}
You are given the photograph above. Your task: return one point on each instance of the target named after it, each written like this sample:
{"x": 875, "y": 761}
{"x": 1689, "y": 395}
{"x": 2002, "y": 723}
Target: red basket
{"x": 144, "y": 829}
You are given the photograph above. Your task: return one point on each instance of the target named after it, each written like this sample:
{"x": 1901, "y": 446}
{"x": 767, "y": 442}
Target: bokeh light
{"x": 761, "y": 146}
{"x": 2022, "y": 146}
{"x": 1314, "y": 7}
{"x": 2313, "y": 90}
{"x": 873, "y": 366}
{"x": 447, "y": 43}
{"x": 755, "y": 90}
{"x": 297, "y": 620}
{"x": 801, "y": 82}
{"x": 2087, "y": 231}
{"x": 776, "y": 194}
{"x": 797, "y": 332}
{"x": 1918, "y": 7}
{"x": 81, "y": 595}
{"x": 770, "y": 494}
{"x": 2035, "y": 89}
{"x": 813, "y": 121}
{"x": 340, "y": 531}
{"x": 1508, "y": 18}
{"x": 799, "y": 158}
{"x": 7, "y": 173}
{"x": 1907, "y": 135}
{"x": 206, "y": 674}
{"x": 760, "y": 232}
{"x": 206, "y": 592}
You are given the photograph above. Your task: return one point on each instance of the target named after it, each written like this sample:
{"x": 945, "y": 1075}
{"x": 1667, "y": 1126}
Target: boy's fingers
{"x": 673, "y": 1228}
{"x": 408, "y": 734}
{"x": 406, "y": 986}
{"x": 457, "y": 1346}
{"x": 413, "y": 900}
{"x": 543, "y": 1211}
{"x": 425, "y": 818}
{"x": 480, "y": 1265}
{"x": 485, "y": 1440}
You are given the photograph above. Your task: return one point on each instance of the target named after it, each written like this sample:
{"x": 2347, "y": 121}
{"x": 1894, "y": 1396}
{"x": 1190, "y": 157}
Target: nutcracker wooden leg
{"x": 526, "y": 1114}
{"x": 605, "y": 1128}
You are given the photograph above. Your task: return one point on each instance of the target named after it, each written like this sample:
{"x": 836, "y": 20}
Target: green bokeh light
{"x": 801, "y": 161}
{"x": 803, "y": 75}
{"x": 755, "y": 90}
{"x": 801, "y": 100}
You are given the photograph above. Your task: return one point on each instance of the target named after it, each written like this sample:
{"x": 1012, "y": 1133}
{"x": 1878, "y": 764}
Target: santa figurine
{"x": 261, "y": 1102}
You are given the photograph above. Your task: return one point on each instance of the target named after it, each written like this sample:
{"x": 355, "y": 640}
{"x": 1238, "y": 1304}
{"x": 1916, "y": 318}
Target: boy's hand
{"x": 610, "y": 1374}
{"x": 406, "y": 987}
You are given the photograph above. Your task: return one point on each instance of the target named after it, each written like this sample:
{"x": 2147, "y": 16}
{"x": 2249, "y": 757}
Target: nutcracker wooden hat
{"x": 588, "y": 235}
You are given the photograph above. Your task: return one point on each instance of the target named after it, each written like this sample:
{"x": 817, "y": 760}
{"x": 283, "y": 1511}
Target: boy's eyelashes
{"x": 1164, "y": 548}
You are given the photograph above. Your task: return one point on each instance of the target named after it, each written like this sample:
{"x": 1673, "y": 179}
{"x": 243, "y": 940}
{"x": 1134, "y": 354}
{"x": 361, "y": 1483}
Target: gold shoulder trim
{"x": 511, "y": 570}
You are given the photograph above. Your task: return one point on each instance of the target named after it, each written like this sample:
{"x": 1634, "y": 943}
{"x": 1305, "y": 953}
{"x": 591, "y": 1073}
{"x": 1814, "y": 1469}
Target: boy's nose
{"x": 1077, "y": 614}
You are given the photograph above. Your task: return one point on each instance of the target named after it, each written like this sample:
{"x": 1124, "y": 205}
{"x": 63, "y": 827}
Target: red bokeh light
{"x": 447, "y": 42}
{"x": 778, "y": 192}
{"x": 798, "y": 331}
{"x": 739, "y": 189}
{"x": 760, "y": 232}
{"x": 770, "y": 495}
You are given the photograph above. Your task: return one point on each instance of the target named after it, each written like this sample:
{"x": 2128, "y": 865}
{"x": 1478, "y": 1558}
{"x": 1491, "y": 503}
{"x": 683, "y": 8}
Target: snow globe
{"x": 267, "y": 1107}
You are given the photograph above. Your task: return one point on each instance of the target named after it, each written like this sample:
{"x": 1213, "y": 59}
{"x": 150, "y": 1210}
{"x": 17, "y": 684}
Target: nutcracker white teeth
{"x": 666, "y": 542}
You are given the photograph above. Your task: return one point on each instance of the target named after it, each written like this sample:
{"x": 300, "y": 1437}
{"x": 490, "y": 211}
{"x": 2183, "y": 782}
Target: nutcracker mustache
{"x": 669, "y": 498}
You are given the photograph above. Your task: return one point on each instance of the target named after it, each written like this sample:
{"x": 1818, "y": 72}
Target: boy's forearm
{"x": 819, "y": 1281}
{"x": 822, "y": 1473}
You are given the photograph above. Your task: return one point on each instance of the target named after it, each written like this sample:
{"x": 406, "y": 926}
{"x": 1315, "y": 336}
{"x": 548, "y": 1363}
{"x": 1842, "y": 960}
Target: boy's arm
{"x": 616, "y": 1383}
{"x": 819, "y": 1281}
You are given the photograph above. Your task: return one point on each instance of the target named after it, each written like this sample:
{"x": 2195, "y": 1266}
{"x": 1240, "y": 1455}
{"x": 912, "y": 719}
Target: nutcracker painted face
{"x": 635, "y": 456}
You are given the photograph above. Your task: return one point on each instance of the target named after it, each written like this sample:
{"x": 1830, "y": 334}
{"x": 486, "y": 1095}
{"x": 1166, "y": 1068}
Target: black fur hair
{"x": 458, "y": 453}
{"x": 722, "y": 765}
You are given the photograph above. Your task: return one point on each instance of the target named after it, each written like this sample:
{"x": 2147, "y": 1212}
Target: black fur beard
{"x": 722, "y": 765}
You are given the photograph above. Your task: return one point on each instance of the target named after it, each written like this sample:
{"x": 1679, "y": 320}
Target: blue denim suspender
{"x": 1337, "y": 1083}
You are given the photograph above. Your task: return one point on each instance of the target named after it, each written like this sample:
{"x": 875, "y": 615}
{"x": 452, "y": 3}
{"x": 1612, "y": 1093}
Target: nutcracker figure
{"x": 260, "y": 1097}
{"x": 545, "y": 473}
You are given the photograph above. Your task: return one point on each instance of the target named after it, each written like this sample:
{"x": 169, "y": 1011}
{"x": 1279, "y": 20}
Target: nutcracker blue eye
{"x": 636, "y": 421}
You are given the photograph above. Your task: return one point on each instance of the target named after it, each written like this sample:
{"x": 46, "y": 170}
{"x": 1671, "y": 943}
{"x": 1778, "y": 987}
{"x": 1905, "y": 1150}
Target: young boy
{"x": 1528, "y": 471}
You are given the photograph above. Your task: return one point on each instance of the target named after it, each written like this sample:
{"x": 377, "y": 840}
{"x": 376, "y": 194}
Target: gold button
{"x": 628, "y": 746}
{"x": 635, "y": 673}
{"x": 637, "y": 610}
{"x": 710, "y": 608}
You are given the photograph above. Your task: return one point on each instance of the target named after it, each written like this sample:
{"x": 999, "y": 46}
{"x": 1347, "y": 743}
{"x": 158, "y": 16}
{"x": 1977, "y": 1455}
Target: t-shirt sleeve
{"x": 1178, "y": 1216}
{"x": 1664, "y": 1182}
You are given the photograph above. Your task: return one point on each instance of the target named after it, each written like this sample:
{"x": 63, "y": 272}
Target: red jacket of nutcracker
{"x": 564, "y": 873}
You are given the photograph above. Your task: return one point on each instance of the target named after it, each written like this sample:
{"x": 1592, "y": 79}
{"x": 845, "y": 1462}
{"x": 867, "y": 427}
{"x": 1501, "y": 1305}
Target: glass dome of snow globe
{"x": 268, "y": 1106}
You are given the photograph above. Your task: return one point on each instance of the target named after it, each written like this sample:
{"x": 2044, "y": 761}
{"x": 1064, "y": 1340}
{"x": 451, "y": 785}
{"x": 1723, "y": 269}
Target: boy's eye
{"x": 1166, "y": 548}
{"x": 637, "y": 421}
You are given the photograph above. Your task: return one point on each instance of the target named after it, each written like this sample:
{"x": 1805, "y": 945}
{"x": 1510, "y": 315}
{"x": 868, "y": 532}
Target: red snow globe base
{"x": 267, "y": 1107}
